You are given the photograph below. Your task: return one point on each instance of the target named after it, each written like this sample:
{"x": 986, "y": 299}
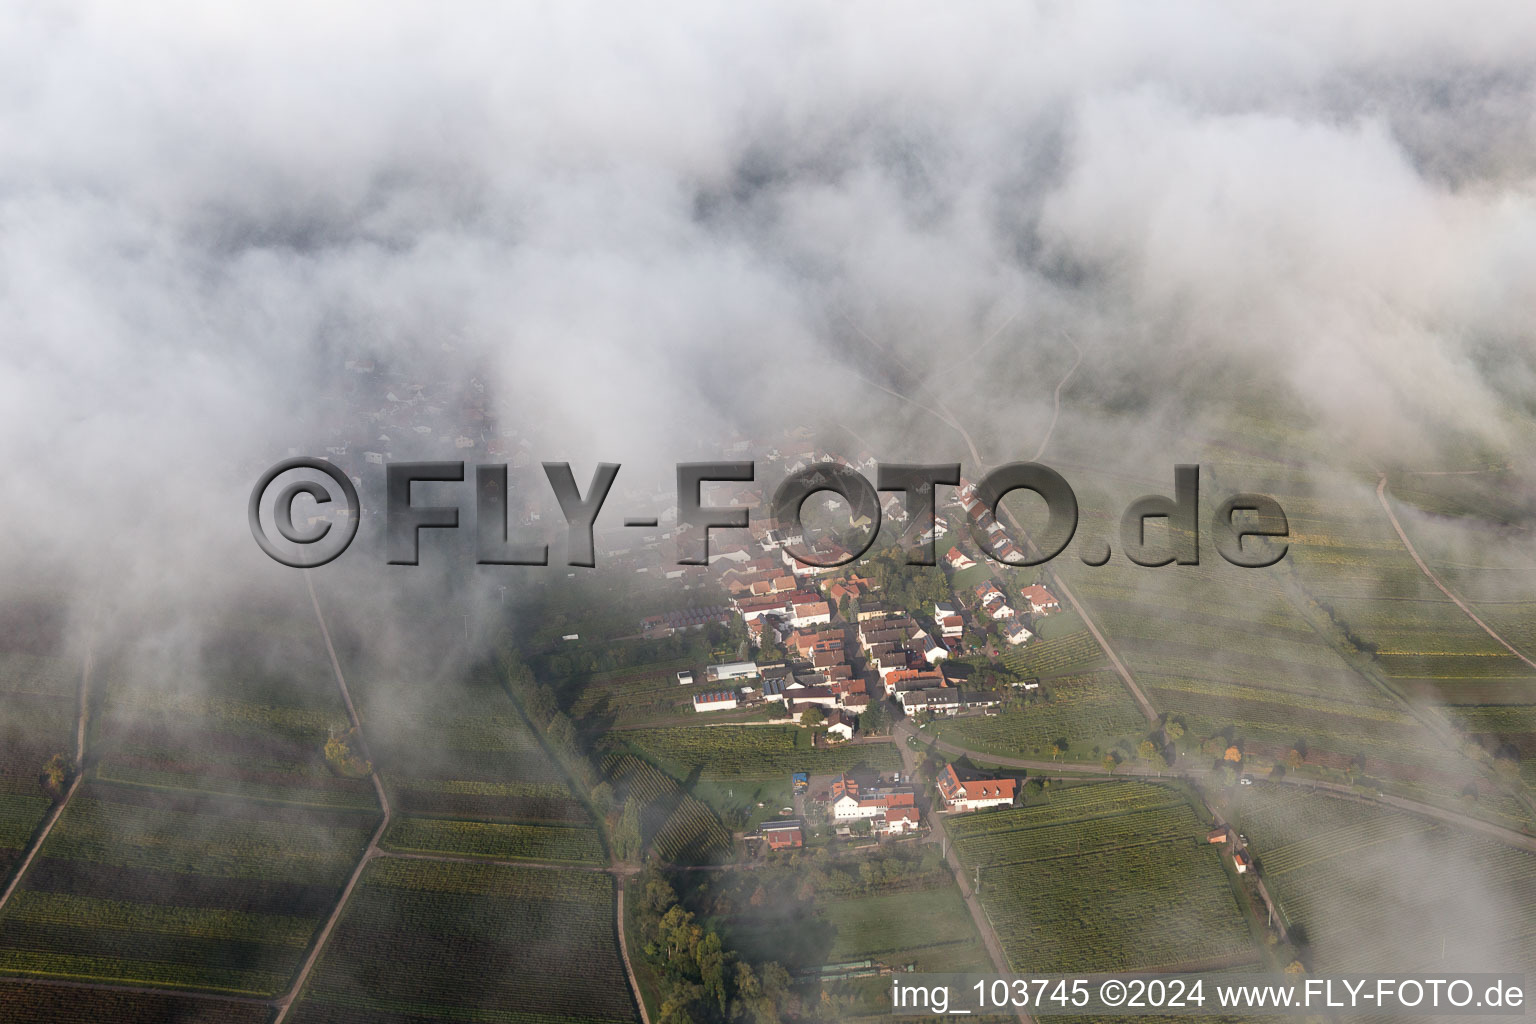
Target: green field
{"x": 468, "y": 942}
{"x": 247, "y": 716}
{"x": 148, "y": 888}
{"x": 1406, "y": 912}
{"x": 1107, "y": 876}
{"x": 752, "y": 752}
{"x": 497, "y": 840}
{"x": 1092, "y": 712}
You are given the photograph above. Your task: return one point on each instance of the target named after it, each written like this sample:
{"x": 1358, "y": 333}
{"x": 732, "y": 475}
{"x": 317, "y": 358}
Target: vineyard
{"x": 461, "y": 749}
{"x": 1107, "y": 876}
{"x": 1368, "y": 884}
{"x": 495, "y": 839}
{"x": 628, "y": 694}
{"x": 1091, "y": 712}
{"x": 429, "y": 940}
{"x": 1073, "y": 653}
{"x": 164, "y": 890}
{"x": 250, "y": 721}
{"x": 24, "y": 1002}
{"x": 1155, "y": 906}
{"x": 677, "y": 826}
{"x": 754, "y": 752}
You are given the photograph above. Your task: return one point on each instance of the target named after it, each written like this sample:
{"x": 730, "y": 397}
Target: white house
{"x": 1040, "y": 600}
{"x": 957, "y": 559}
{"x": 685, "y": 677}
{"x": 840, "y": 724}
{"x": 1017, "y": 633}
{"x": 975, "y": 794}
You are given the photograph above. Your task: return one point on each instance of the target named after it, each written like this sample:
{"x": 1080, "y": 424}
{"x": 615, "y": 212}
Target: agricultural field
{"x": 752, "y": 752}
{"x": 1107, "y": 876}
{"x": 1075, "y": 652}
{"x": 636, "y": 693}
{"x": 674, "y": 824}
{"x": 425, "y": 941}
{"x": 39, "y": 688}
{"x": 816, "y": 915}
{"x": 496, "y": 840}
{"x": 25, "y": 1002}
{"x": 1093, "y": 712}
{"x": 148, "y": 888}
{"x": 1263, "y": 658}
{"x": 248, "y": 716}
{"x": 457, "y": 747}
{"x": 1405, "y": 911}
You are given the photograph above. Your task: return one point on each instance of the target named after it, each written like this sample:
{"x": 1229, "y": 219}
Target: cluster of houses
{"x": 891, "y": 809}
{"x": 823, "y": 679}
{"x": 888, "y": 804}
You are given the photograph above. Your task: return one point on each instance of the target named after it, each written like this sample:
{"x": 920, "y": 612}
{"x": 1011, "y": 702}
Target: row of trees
{"x": 699, "y": 980}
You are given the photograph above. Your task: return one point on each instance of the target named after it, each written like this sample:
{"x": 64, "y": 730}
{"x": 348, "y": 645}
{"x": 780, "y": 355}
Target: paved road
{"x": 983, "y": 924}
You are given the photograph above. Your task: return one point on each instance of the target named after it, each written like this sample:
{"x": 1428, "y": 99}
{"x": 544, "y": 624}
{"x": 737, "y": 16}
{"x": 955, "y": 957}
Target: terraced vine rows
{"x": 423, "y": 939}
{"x": 148, "y": 888}
{"x": 680, "y": 827}
{"x": 754, "y": 752}
{"x": 1388, "y": 867}
{"x": 1108, "y": 876}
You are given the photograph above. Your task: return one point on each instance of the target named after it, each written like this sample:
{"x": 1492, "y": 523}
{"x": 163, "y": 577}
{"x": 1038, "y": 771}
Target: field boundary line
{"x": 158, "y": 990}
{"x": 286, "y": 1001}
{"x": 83, "y": 696}
{"x": 1381, "y": 497}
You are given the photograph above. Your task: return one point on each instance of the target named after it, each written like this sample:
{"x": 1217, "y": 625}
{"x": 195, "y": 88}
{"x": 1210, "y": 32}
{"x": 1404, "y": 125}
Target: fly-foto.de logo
{"x": 1247, "y": 529}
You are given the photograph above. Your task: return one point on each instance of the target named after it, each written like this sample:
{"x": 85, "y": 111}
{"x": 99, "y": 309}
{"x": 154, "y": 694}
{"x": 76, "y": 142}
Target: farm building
{"x": 1217, "y": 835}
{"x": 685, "y": 677}
{"x": 716, "y": 700}
{"x": 1242, "y": 861}
{"x": 974, "y": 793}
{"x": 731, "y": 670}
{"x": 856, "y": 805}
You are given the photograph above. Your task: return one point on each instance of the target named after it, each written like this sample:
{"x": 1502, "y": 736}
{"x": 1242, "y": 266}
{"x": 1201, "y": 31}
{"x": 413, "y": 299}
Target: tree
{"x": 1174, "y": 730}
{"x": 1147, "y": 751}
{"x": 812, "y": 717}
{"x": 1111, "y": 763}
{"x": 1058, "y": 747}
{"x": 876, "y": 717}
{"x": 56, "y": 774}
